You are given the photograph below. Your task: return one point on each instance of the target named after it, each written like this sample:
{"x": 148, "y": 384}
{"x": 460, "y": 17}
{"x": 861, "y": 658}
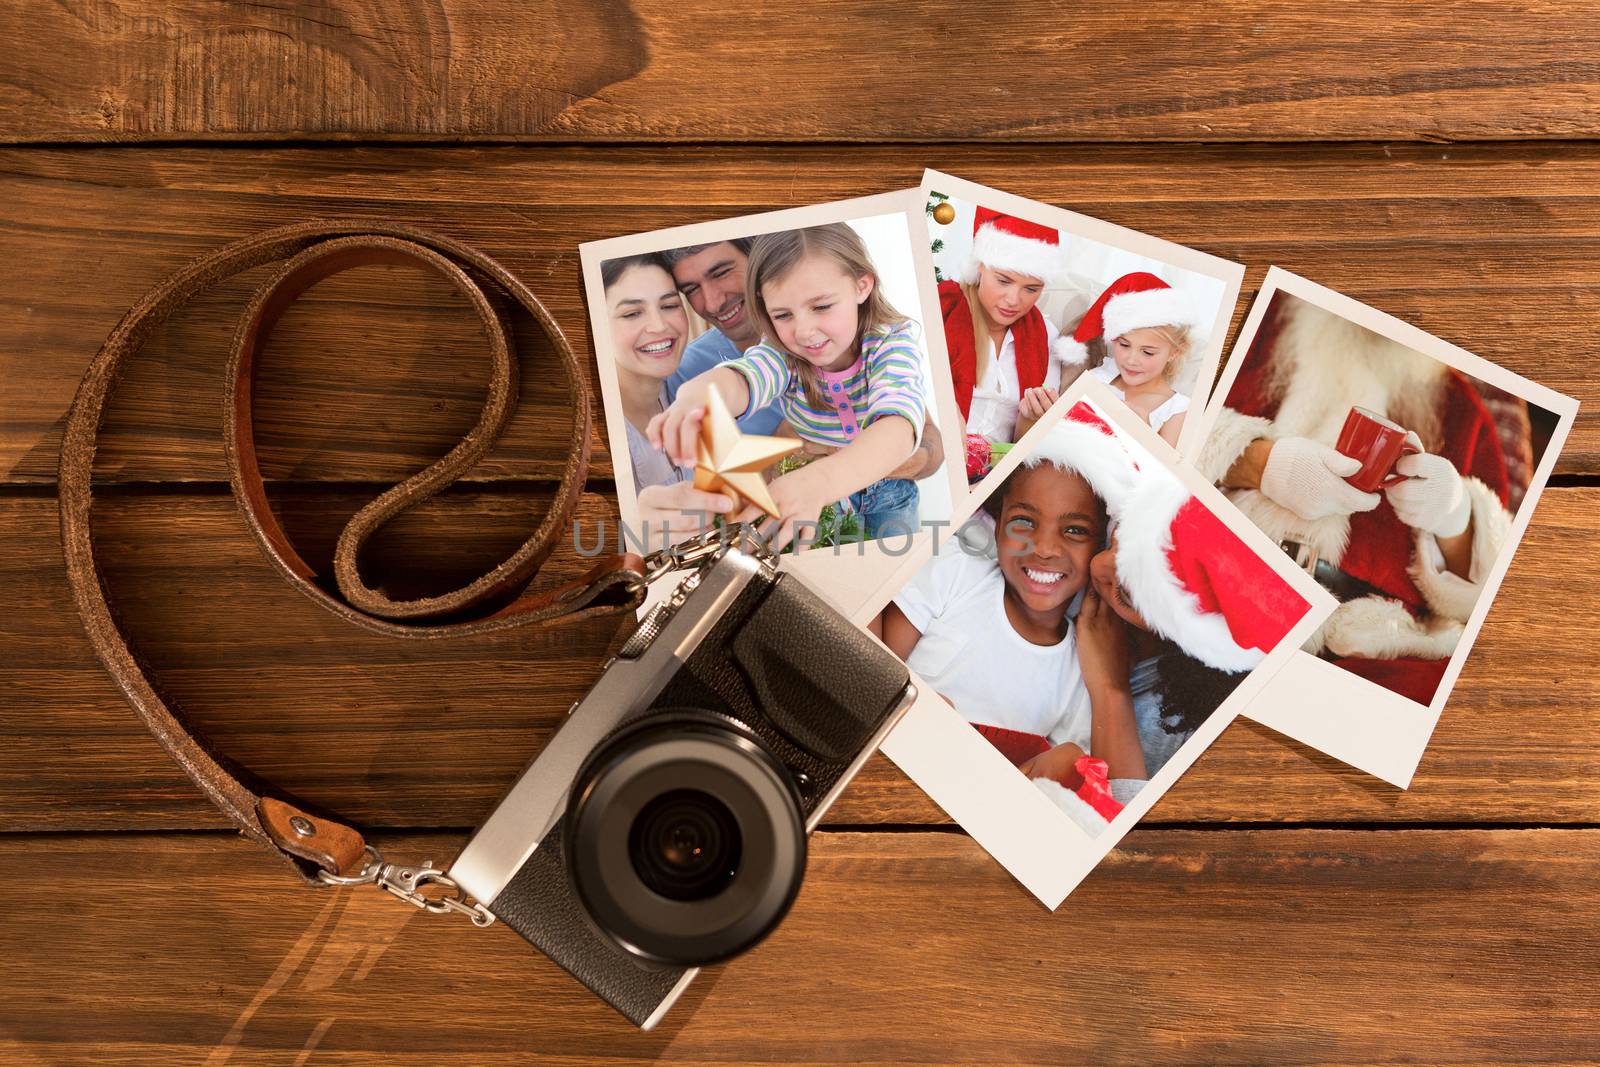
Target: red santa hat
{"x": 1084, "y": 443}
{"x": 1194, "y": 582}
{"x": 1133, "y": 302}
{"x": 1004, "y": 242}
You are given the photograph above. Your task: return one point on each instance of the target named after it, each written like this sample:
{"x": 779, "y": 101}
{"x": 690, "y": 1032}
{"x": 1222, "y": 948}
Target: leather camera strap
{"x": 323, "y": 849}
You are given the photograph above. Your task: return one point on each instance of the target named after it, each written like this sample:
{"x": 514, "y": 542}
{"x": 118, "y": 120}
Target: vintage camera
{"x": 664, "y": 825}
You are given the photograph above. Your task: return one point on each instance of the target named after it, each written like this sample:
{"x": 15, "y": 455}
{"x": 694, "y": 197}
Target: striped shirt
{"x": 886, "y": 379}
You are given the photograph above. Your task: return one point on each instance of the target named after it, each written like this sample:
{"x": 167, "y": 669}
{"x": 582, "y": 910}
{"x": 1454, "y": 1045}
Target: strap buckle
{"x": 702, "y": 549}
{"x": 407, "y": 880}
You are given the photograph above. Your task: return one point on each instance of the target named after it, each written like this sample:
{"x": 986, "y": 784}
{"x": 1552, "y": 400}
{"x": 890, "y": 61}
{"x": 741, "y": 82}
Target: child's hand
{"x": 1102, "y": 645}
{"x": 1058, "y": 764}
{"x": 676, "y": 431}
{"x": 800, "y": 496}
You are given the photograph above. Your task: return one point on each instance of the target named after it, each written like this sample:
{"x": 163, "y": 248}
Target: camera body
{"x": 664, "y": 825}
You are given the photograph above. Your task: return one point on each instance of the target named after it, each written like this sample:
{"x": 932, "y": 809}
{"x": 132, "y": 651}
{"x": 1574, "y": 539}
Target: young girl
{"x": 1001, "y": 347}
{"x": 843, "y": 363}
{"x": 1149, "y": 328}
{"x": 992, "y": 635}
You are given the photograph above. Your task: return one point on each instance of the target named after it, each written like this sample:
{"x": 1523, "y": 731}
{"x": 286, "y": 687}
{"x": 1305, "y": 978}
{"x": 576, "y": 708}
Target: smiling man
{"x": 711, "y": 278}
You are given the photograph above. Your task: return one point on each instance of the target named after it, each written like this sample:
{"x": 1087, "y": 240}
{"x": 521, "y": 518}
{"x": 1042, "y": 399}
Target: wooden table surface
{"x": 1437, "y": 161}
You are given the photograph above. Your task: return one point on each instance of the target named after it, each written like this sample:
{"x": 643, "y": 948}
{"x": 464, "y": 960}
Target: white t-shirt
{"x": 1169, "y": 407}
{"x": 993, "y": 411}
{"x": 970, "y": 653}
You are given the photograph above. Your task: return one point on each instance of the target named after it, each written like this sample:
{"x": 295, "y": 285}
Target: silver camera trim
{"x": 538, "y": 798}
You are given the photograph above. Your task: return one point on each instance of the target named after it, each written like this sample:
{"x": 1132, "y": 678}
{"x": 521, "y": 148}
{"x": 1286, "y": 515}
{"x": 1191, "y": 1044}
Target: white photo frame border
{"x": 847, "y": 573}
{"x": 1326, "y": 707}
{"x": 978, "y": 787}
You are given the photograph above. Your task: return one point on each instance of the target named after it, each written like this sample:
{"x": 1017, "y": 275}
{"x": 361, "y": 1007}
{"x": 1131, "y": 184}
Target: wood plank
{"x": 1281, "y": 947}
{"x": 1491, "y": 247}
{"x": 404, "y": 734}
{"x": 1152, "y": 71}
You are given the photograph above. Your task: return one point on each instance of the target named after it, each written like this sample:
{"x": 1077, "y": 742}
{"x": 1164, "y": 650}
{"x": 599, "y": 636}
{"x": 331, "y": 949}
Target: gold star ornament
{"x": 731, "y": 462}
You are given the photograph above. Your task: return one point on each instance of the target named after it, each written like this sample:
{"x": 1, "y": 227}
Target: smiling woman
{"x": 648, "y": 330}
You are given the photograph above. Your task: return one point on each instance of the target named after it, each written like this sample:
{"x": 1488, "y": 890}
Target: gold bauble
{"x": 944, "y": 214}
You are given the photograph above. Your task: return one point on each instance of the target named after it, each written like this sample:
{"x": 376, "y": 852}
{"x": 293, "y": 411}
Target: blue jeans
{"x": 888, "y": 507}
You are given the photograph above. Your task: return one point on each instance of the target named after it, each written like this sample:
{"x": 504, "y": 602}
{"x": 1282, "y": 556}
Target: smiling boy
{"x": 992, "y": 636}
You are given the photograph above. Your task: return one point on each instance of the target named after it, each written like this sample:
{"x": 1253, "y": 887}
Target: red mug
{"x": 1378, "y": 443}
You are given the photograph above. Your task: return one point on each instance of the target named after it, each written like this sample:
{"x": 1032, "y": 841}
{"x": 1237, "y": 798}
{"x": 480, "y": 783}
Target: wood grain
{"x": 98, "y": 70}
{"x": 379, "y": 370}
{"x": 400, "y": 733}
{"x": 1273, "y": 947}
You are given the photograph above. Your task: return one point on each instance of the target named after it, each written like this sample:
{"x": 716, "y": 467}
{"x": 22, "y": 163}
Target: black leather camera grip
{"x": 539, "y": 904}
{"x": 821, "y": 682}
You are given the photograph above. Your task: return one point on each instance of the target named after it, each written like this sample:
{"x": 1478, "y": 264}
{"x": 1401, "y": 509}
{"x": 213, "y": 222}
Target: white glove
{"x": 1433, "y": 497}
{"x": 1308, "y": 478}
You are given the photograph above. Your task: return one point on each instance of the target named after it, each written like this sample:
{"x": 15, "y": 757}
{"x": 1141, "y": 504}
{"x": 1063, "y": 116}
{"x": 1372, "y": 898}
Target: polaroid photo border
{"x": 848, "y": 573}
{"x": 1073, "y": 224}
{"x": 1322, "y": 705}
{"x": 975, "y": 784}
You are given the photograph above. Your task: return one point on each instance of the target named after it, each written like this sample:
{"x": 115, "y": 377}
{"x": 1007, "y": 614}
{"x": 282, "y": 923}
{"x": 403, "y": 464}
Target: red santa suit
{"x": 1306, "y": 368}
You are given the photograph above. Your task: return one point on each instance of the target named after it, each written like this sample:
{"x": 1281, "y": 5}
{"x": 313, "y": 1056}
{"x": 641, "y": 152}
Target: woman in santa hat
{"x": 1002, "y": 348}
{"x": 1148, "y": 330}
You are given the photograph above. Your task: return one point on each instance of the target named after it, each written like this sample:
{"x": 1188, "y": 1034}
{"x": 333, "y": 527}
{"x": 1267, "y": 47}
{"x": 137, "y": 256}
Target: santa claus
{"x": 1407, "y": 562}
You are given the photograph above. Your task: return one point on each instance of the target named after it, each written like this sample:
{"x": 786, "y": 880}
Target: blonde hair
{"x": 982, "y": 343}
{"x": 1178, "y": 335}
{"x": 774, "y": 255}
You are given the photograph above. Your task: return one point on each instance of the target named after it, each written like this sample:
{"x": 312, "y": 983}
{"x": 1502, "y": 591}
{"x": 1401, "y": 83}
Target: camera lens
{"x": 683, "y": 838}
{"x": 685, "y": 845}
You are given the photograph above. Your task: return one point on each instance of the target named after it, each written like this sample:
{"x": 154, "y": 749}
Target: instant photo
{"x": 1094, "y": 622}
{"x": 1400, "y": 472}
{"x": 776, "y": 368}
{"x": 1033, "y": 296}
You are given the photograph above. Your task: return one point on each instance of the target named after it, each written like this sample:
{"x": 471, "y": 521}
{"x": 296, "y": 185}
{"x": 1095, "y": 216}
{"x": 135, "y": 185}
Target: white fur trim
{"x": 1069, "y": 351}
{"x": 1448, "y": 594}
{"x": 1232, "y": 434}
{"x": 1325, "y": 364}
{"x": 1373, "y": 627}
{"x": 994, "y": 247}
{"x": 1151, "y": 307}
{"x": 1076, "y": 808}
{"x": 1102, "y": 460}
{"x": 1144, "y": 537}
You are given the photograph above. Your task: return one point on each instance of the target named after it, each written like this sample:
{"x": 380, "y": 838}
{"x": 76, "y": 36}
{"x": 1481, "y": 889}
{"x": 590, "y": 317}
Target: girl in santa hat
{"x": 1148, "y": 329}
{"x": 1002, "y": 348}
{"x": 1178, "y": 609}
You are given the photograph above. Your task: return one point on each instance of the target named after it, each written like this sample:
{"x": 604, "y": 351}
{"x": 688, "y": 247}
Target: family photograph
{"x": 811, "y": 337}
{"x": 1027, "y": 307}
